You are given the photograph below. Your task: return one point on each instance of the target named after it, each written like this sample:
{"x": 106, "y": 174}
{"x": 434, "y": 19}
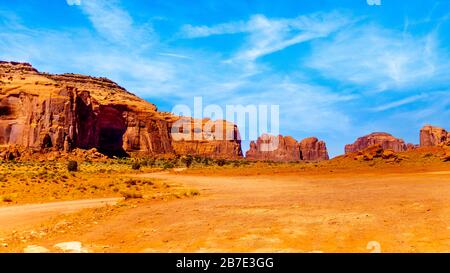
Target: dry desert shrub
{"x": 72, "y": 166}
{"x": 131, "y": 195}
{"x": 136, "y": 166}
{"x": 7, "y": 199}
{"x": 192, "y": 192}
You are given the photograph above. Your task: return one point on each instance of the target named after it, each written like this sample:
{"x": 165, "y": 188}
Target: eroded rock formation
{"x": 39, "y": 110}
{"x": 274, "y": 148}
{"x": 286, "y": 149}
{"x": 206, "y": 138}
{"x": 312, "y": 149}
{"x": 384, "y": 140}
{"x": 433, "y": 136}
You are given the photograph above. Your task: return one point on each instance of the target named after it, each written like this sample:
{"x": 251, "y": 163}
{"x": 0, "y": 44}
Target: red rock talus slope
{"x": 433, "y": 136}
{"x": 385, "y": 140}
{"x": 285, "y": 149}
{"x": 39, "y": 110}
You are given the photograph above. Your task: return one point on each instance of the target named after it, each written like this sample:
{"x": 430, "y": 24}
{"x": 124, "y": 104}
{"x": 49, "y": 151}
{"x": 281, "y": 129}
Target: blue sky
{"x": 338, "y": 69}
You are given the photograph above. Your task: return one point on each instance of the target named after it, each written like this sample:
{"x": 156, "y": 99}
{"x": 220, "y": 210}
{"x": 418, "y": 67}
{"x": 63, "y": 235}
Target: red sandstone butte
{"x": 286, "y": 149}
{"x": 385, "y": 140}
{"x": 272, "y": 148}
{"x": 433, "y": 136}
{"x": 312, "y": 149}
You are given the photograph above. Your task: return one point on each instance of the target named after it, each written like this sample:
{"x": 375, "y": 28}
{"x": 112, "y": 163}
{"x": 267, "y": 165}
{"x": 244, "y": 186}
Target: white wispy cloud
{"x": 269, "y": 35}
{"x": 314, "y": 108}
{"x": 434, "y": 108}
{"x": 79, "y": 52}
{"x": 190, "y": 31}
{"x": 115, "y": 23}
{"x": 73, "y": 2}
{"x": 380, "y": 59}
{"x": 175, "y": 55}
{"x": 398, "y": 103}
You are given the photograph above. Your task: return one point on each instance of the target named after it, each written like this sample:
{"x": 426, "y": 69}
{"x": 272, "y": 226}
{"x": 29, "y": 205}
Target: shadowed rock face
{"x": 384, "y": 140}
{"x": 285, "y": 149}
{"x": 433, "y": 136}
{"x": 39, "y": 110}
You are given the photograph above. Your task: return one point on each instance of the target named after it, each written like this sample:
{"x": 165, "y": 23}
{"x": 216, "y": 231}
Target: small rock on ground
{"x": 35, "y": 249}
{"x": 71, "y": 247}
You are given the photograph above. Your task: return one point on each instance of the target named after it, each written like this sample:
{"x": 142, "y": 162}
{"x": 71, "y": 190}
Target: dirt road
{"x": 18, "y": 216}
{"x": 302, "y": 213}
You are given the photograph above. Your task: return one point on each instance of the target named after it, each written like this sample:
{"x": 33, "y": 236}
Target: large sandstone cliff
{"x": 39, "y": 110}
{"x": 385, "y": 140}
{"x": 286, "y": 149}
{"x": 433, "y": 136}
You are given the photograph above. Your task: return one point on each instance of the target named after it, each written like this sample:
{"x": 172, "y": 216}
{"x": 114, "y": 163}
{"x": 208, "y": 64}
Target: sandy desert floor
{"x": 374, "y": 209}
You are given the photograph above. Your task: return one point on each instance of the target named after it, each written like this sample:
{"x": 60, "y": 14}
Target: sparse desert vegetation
{"x": 30, "y": 182}
{"x": 36, "y": 181}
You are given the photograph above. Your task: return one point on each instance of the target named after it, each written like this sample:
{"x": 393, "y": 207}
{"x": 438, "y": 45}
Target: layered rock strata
{"x": 40, "y": 110}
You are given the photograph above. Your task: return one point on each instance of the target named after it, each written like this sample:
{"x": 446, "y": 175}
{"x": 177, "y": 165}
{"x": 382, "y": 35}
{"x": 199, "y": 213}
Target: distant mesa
{"x": 430, "y": 136}
{"x": 286, "y": 149}
{"x": 384, "y": 140}
{"x": 64, "y": 112}
{"x": 433, "y": 136}
{"x": 434, "y": 143}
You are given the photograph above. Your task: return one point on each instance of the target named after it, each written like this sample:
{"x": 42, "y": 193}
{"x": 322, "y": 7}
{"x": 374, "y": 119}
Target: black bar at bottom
{"x": 180, "y": 262}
